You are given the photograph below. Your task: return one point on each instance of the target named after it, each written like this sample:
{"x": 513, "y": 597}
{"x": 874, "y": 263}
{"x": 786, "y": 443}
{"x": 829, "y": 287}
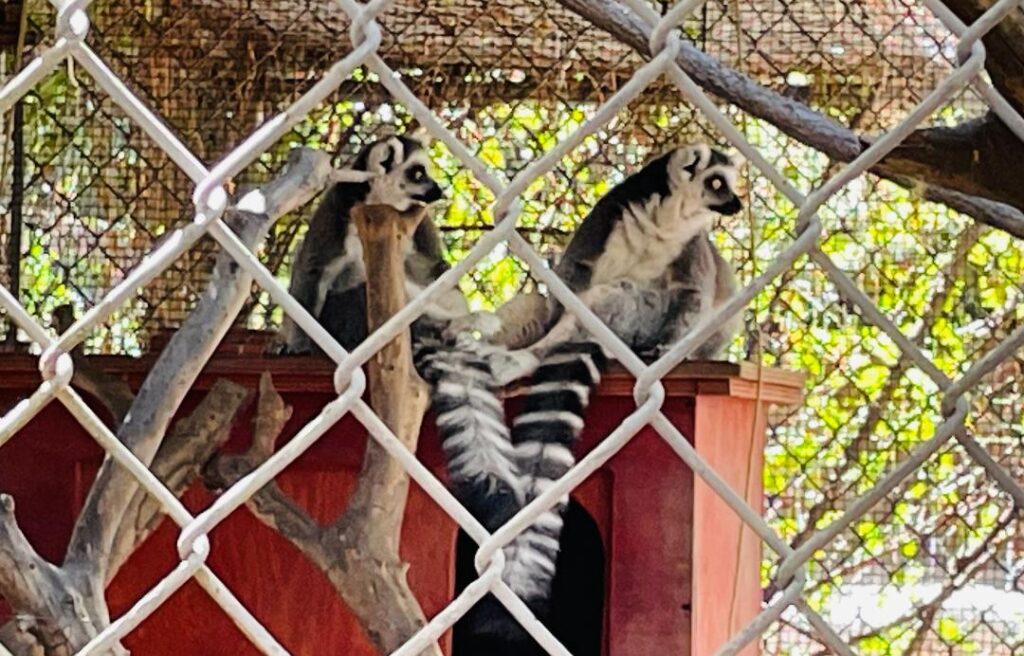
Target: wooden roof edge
{"x": 19, "y": 371}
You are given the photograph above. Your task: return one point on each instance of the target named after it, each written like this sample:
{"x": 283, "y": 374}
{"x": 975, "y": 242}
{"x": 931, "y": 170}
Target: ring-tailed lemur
{"x": 329, "y": 280}
{"x": 328, "y": 276}
{"x": 643, "y": 262}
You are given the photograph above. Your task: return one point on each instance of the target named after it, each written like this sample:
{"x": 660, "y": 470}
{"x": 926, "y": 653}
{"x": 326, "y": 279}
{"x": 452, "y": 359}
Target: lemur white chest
{"x": 646, "y": 241}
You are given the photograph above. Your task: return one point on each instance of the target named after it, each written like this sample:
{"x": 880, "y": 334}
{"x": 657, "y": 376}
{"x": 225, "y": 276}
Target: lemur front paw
{"x": 283, "y": 347}
{"x": 509, "y": 366}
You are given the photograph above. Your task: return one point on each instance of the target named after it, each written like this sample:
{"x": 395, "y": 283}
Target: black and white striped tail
{"x": 471, "y": 424}
{"x": 543, "y": 434}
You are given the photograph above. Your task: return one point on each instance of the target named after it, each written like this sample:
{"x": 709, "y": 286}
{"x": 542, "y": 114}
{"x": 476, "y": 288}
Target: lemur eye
{"x": 716, "y": 183}
{"x": 418, "y": 174}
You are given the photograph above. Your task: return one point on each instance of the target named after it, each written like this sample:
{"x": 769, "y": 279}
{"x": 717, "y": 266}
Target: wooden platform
{"x": 677, "y": 576}
{"x": 315, "y": 374}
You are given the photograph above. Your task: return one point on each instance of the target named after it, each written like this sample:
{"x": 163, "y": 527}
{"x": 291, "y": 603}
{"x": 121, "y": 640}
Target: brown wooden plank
{"x": 315, "y": 374}
{"x": 727, "y": 574}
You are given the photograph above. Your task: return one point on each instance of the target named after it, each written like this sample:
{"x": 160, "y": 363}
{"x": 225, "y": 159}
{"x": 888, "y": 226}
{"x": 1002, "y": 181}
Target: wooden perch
{"x": 176, "y": 369}
{"x": 35, "y": 588}
{"x": 191, "y": 443}
{"x": 359, "y": 552}
{"x": 270, "y": 505}
{"x": 376, "y": 586}
{"x": 117, "y": 515}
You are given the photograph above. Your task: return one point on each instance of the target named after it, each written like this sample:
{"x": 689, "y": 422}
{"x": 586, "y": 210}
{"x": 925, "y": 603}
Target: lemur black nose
{"x": 433, "y": 193}
{"x": 728, "y": 208}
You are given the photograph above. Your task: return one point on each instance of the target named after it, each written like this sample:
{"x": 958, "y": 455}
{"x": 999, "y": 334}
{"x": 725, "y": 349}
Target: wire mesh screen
{"x": 510, "y": 78}
{"x": 935, "y": 567}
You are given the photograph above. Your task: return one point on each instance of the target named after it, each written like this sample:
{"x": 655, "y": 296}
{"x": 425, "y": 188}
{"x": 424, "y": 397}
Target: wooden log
{"x": 375, "y": 582}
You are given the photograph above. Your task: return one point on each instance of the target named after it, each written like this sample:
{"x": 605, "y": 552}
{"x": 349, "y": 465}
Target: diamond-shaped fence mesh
{"x": 892, "y": 494}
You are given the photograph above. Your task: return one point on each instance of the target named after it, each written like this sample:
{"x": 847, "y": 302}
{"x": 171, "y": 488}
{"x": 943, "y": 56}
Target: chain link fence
{"x": 892, "y": 520}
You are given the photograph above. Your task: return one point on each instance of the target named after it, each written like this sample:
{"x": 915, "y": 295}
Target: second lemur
{"x": 644, "y": 263}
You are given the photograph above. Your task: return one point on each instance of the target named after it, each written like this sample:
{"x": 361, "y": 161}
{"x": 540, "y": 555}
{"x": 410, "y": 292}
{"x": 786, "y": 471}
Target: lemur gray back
{"x": 652, "y": 229}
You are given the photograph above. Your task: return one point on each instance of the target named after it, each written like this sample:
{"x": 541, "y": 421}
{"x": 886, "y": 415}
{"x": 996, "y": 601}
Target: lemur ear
{"x": 692, "y": 156}
{"x": 381, "y": 158}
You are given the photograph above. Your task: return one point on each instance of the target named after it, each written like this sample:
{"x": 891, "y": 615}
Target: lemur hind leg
{"x": 688, "y": 307}
{"x": 631, "y": 311}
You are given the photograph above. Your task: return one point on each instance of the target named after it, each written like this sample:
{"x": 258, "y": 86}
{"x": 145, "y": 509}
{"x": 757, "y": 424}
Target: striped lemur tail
{"x": 544, "y": 434}
{"x": 470, "y": 416}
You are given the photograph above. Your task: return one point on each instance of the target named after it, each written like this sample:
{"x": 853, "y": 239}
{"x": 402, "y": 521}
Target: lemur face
{"x": 706, "y": 177}
{"x": 402, "y": 181}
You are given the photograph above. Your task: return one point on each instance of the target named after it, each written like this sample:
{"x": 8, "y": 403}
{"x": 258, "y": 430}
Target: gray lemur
{"x": 328, "y": 276}
{"x": 644, "y": 263}
{"x": 329, "y": 280}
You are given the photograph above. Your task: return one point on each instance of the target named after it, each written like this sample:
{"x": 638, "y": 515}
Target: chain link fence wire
{"x": 886, "y": 529}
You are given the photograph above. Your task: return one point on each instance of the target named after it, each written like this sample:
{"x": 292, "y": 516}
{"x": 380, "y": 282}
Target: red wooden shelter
{"x": 677, "y": 577}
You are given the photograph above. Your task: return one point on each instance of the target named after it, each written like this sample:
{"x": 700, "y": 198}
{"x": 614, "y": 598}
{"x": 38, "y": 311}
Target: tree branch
{"x": 62, "y": 608}
{"x": 270, "y": 505}
{"x": 359, "y": 552}
{"x": 182, "y": 359}
{"x": 346, "y": 552}
{"x": 979, "y": 157}
{"x": 113, "y": 393}
{"x": 1004, "y": 46}
{"x": 191, "y": 443}
{"x": 966, "y": 568}
{"x": 807, "y": 126}
{"x": 45, "y": 605}
{"x": 367, "y": 534}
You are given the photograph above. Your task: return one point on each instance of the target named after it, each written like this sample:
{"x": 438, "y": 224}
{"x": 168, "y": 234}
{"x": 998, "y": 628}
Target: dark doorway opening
{"x": 577, "y": 594}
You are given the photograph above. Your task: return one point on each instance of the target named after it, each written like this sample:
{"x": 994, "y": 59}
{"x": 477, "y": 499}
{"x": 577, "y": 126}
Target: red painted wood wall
{"x": 674, "y": 555}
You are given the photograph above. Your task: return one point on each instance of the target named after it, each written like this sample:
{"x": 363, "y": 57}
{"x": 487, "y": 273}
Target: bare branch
{"x": 191, "y": 443}
{"x": 1004, "y": 45}
{"x": 367, "y": 534}
{"x": 115, "y": 394}
{"x": 63, "y": 608}
{"x": 270, "y": 505}
{"x": 818, "y": 131}
{"x": 979, "y": 158}
{"x": 966, "y": 568}
{"x": 45, "y": 607}
{"x": 180, "y": 362}
{"x": 368, "y": 580}
{"x": 359, "y": 552}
